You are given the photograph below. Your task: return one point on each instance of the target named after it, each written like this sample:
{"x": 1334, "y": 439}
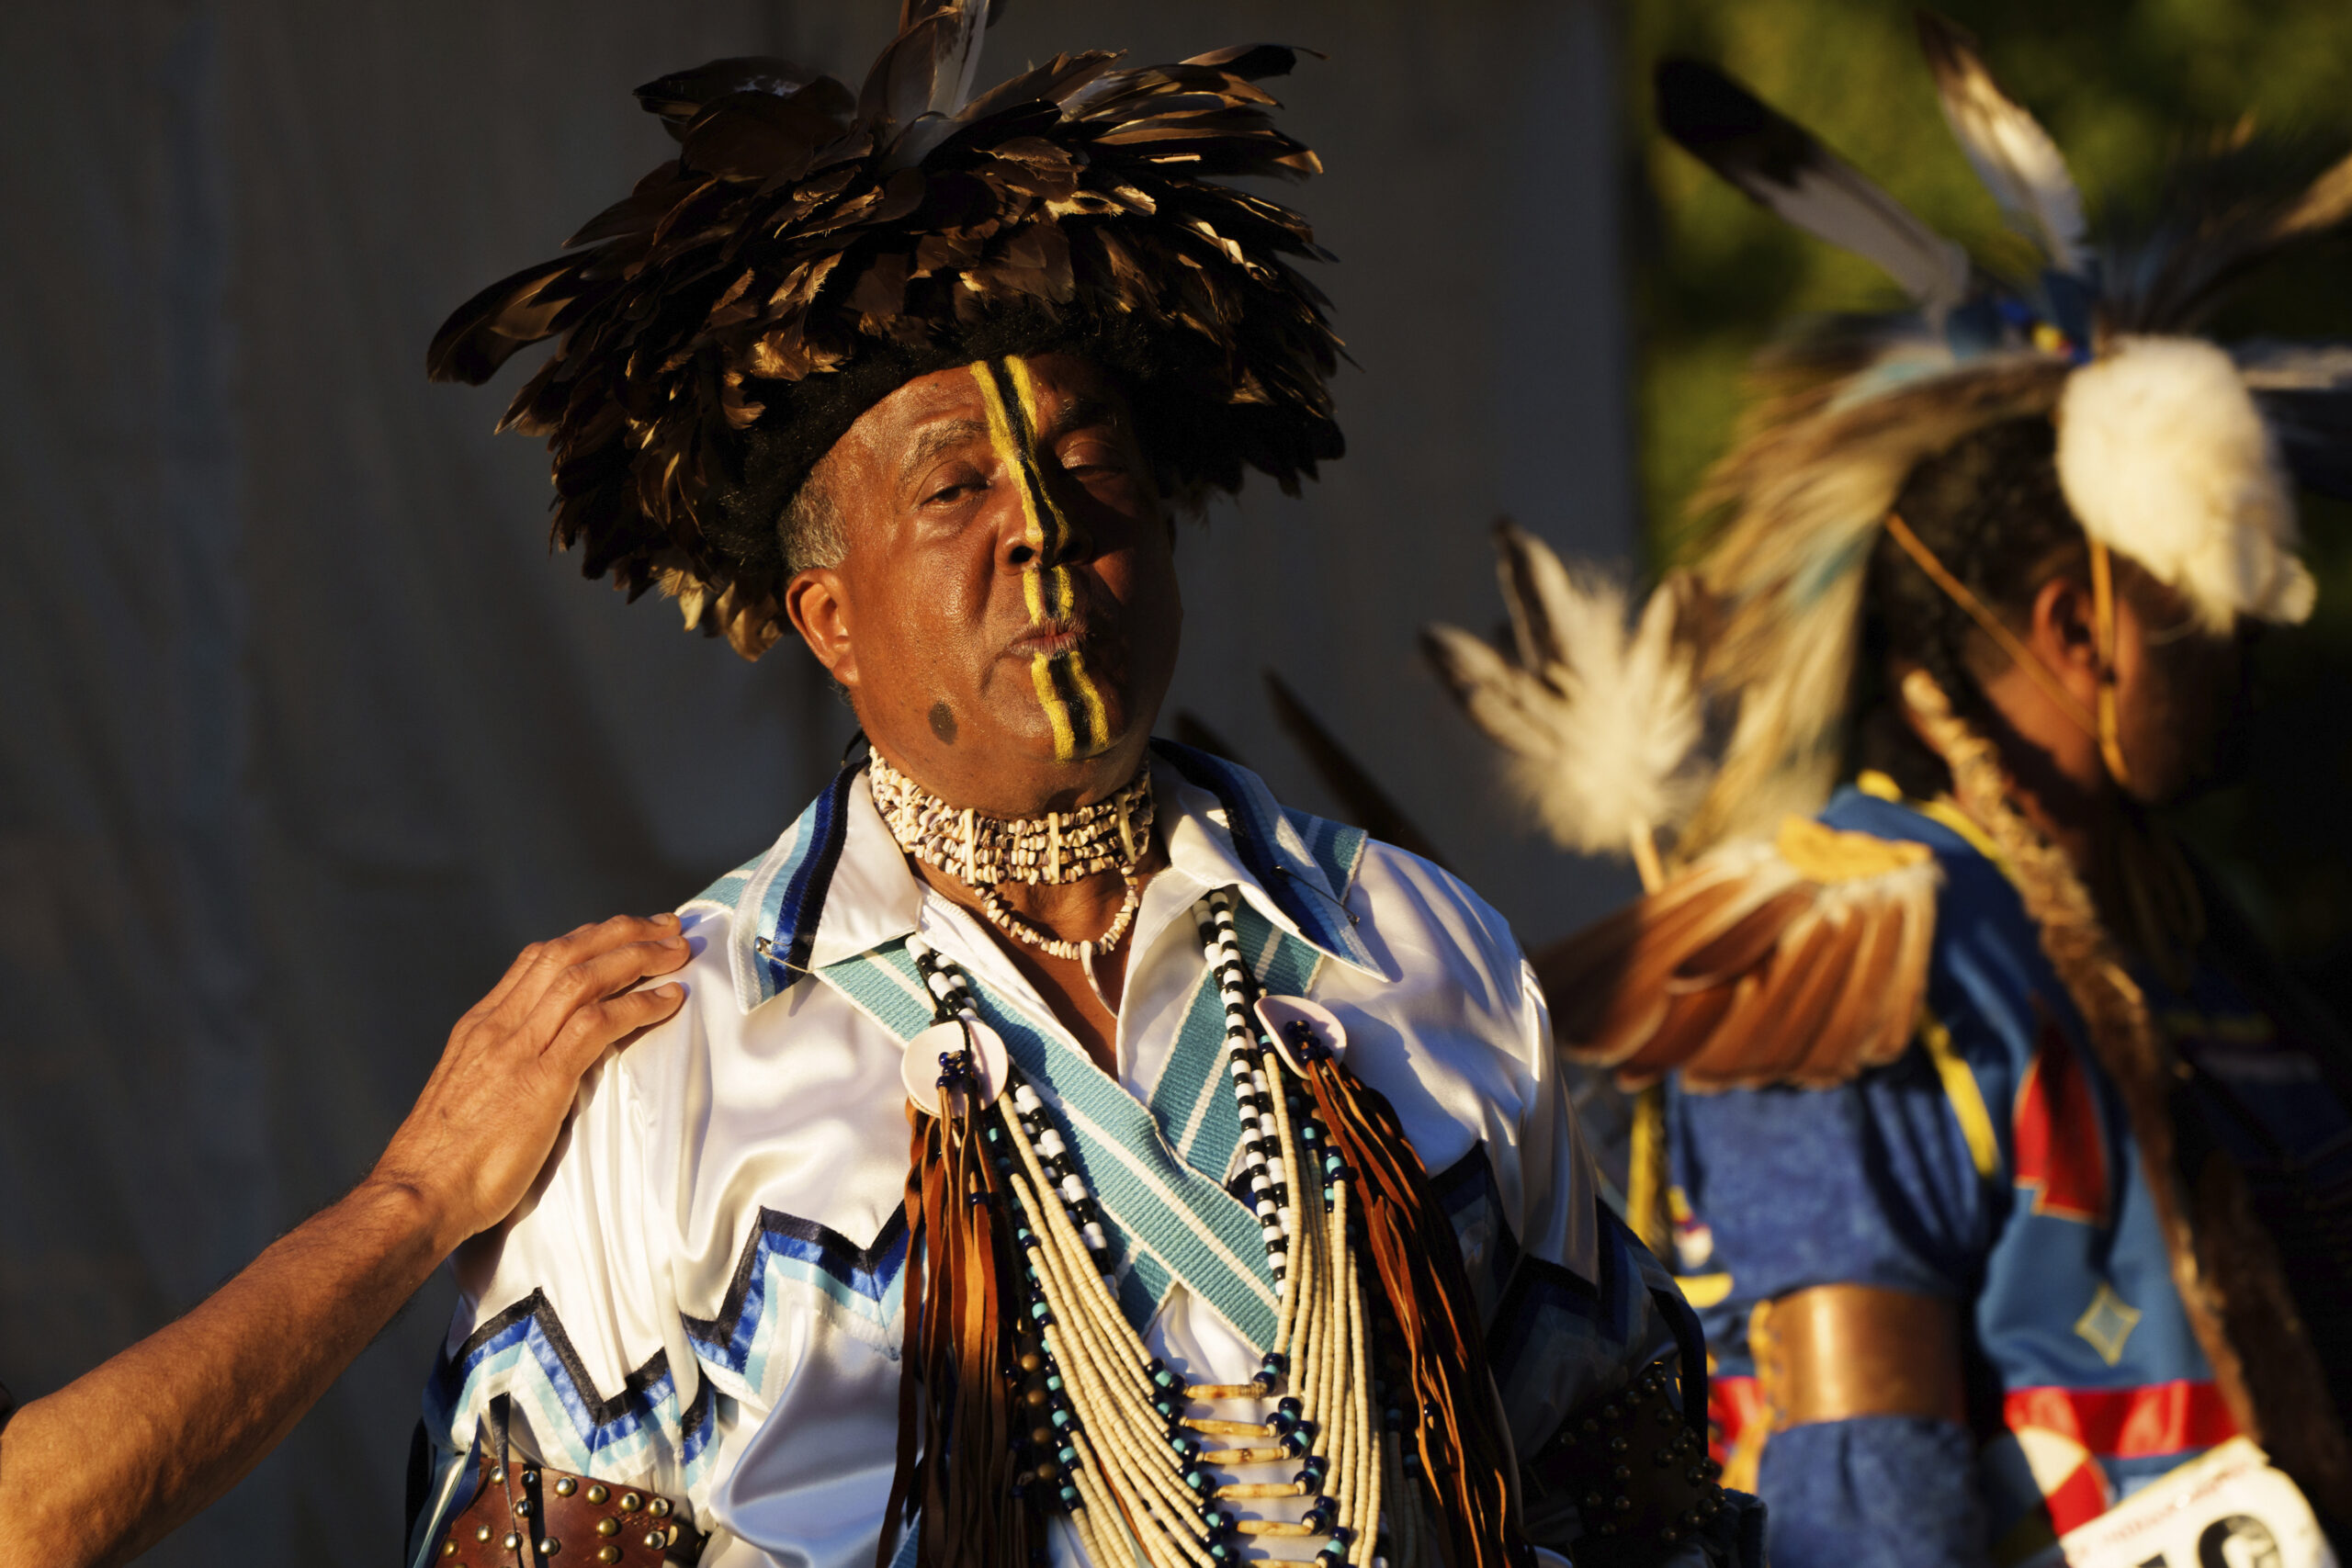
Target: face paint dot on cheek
{"x": 943, "y": 723}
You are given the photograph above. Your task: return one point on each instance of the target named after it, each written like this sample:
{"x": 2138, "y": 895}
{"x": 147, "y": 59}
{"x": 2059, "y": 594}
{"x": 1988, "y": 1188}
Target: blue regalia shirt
{"x": 702, "y": 1295}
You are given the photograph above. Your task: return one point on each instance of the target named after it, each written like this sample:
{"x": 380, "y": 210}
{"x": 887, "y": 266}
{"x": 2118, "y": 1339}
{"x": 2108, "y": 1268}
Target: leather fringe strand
{"x": 1466, "y": 1452}
{"x": 957, "y": 1372}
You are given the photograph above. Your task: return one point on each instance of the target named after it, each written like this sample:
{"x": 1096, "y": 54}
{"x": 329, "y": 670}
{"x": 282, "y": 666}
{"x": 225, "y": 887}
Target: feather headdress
{"x": 1781, "y": 950}
{"x": 2172, "y": 450}
{"x": 811, "y": 248}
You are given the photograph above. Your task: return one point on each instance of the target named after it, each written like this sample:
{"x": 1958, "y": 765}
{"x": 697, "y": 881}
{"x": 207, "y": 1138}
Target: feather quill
{"x": 2011, "y": 154}
{"x": 1785, "y": 168}
{"x": 1602, "y": 722}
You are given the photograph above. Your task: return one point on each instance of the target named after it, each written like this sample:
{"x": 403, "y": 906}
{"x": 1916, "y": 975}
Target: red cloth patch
{"x": 2060, "y": 1146}
{"x": 1733, "y": 1405}
{"x": 2126, "y": 1423}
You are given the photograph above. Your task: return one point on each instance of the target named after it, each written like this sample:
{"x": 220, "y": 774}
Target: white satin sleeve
{"x": 566, "y": 1311}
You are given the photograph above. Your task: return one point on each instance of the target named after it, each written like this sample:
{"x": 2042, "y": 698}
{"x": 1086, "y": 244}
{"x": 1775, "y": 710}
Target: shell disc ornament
{"x": 1301, "y": 1029}
{"x": 963, "y": 1056}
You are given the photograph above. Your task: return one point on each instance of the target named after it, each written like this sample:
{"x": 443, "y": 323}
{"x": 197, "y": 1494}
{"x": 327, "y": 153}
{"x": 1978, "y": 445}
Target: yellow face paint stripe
{"x": 1008, "y": 396}
{"x": 1041, "y": 675}
{"x": 1098, "y": 723}
{"x": 1007, "y": 450}
{"x": 1061, "y": 594}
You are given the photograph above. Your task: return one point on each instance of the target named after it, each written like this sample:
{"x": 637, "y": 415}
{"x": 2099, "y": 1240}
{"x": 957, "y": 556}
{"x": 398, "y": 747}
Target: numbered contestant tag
{"x": 2225, "y": 1509}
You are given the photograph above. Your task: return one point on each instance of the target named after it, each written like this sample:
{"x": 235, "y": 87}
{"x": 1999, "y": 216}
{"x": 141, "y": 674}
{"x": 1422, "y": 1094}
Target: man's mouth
{"x": 1052, "y": 639}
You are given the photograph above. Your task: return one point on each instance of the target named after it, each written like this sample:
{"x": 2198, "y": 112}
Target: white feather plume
{"x": 1602, "y": 721}
{"x": 2011, "y": 154}
{"x": 2166, "y": 458}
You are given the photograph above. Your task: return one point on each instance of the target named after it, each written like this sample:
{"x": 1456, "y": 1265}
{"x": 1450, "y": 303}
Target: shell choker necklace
{"x": 1058, "y": 847}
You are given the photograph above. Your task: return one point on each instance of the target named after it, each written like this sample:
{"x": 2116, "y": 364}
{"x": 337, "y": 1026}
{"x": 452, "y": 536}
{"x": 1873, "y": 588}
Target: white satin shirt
{"x": 700, "y": 1297}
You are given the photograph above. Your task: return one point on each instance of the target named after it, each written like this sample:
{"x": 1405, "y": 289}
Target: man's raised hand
{"x": 482, "y": 1130}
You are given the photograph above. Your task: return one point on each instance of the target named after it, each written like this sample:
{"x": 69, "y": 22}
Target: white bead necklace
{"x": 1057, "y": 848}
{"x": 1115, "y": 1444}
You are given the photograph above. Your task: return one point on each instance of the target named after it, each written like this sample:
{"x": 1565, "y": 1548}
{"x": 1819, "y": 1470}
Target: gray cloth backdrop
{"x": 305, "y": 733}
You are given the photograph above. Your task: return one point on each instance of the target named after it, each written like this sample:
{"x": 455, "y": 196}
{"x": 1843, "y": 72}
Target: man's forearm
{"x": 110, "y": 1465}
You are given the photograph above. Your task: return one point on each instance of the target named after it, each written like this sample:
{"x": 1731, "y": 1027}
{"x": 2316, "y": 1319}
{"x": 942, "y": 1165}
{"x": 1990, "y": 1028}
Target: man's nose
{"x": 1048, "y": 528}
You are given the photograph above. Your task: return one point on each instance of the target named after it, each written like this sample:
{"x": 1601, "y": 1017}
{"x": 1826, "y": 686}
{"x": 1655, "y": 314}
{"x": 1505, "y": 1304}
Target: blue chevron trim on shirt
{"x": 524, "y": 1353}
{"x": 864, "y": 1282}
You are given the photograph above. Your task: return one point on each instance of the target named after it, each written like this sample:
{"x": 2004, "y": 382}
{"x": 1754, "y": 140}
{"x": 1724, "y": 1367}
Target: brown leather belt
{"x": 528, "y": 1516}
{"x": 1834, "y": 1352}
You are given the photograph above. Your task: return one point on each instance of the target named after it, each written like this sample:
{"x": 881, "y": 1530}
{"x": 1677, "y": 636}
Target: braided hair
{"x": 1991, "y": 509}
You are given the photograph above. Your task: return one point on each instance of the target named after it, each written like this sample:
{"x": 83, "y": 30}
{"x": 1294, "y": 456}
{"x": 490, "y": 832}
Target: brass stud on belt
{"x": 631, "y": 1502}
{"x": 482, "y": 1533}
{"x": 566, "y": 1486}
{"x": 608, "y": 1526}
{"x": 550, "y": 1547}
{"x": 512, "y": 1543}
{"x": 658, "y": 1507}
{"x": 498, "y": 1476}
{"x": 656, "y": 1539}
{"x": 522, "y": 1507}
{"x": 610, "y": 1554}
{"x": 448, "y": 1548}
{"x": 596, "y": 1494}
{"x": 530, "y": 1478}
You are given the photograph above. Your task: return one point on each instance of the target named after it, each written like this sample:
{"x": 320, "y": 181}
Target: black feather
{"x": 1784, "y": 167}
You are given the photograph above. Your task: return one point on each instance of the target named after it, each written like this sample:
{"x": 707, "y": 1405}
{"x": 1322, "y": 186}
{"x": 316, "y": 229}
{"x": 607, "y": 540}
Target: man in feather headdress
{"x": 2010, "y": 1171}
{"x": 1063, "y": 1149}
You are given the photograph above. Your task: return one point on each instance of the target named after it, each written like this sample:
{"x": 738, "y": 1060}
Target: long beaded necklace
{"x": 1059, "y": 847}
{"x": 1112, "y": 1440}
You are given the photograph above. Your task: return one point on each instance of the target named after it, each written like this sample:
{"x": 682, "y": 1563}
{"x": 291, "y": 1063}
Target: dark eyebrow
{"x": 1082, "y": 413}
{"x": 935, "y": 440}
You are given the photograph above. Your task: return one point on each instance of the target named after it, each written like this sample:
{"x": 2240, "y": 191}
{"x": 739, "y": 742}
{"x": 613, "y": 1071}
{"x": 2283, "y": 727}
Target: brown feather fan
{"x": 1802, "y": 959}
{"x": 811, "y": 249}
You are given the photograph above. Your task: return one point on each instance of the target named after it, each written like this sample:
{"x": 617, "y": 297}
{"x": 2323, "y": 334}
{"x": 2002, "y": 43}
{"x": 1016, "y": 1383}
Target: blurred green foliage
{"x": 2120, "y": 85}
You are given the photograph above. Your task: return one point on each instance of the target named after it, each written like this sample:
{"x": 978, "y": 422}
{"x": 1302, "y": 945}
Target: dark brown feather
{"x": 803, "y": 229}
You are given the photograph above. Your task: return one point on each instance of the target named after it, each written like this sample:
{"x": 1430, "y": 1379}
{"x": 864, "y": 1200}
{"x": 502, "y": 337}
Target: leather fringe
{"x": 958, "y": 1372}
{"x": 2224, "y": 1263}
{"x": 1466, "y": 1450}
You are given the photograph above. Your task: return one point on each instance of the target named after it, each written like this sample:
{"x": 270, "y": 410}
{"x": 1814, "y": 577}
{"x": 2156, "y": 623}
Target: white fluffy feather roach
{"x": 1601, "y": 720}
{"x": 2166, "y": 458}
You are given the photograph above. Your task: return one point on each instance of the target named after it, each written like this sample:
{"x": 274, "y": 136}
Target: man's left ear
{"x": 2061, "y": 625}
{"x": 812, "y": 602}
